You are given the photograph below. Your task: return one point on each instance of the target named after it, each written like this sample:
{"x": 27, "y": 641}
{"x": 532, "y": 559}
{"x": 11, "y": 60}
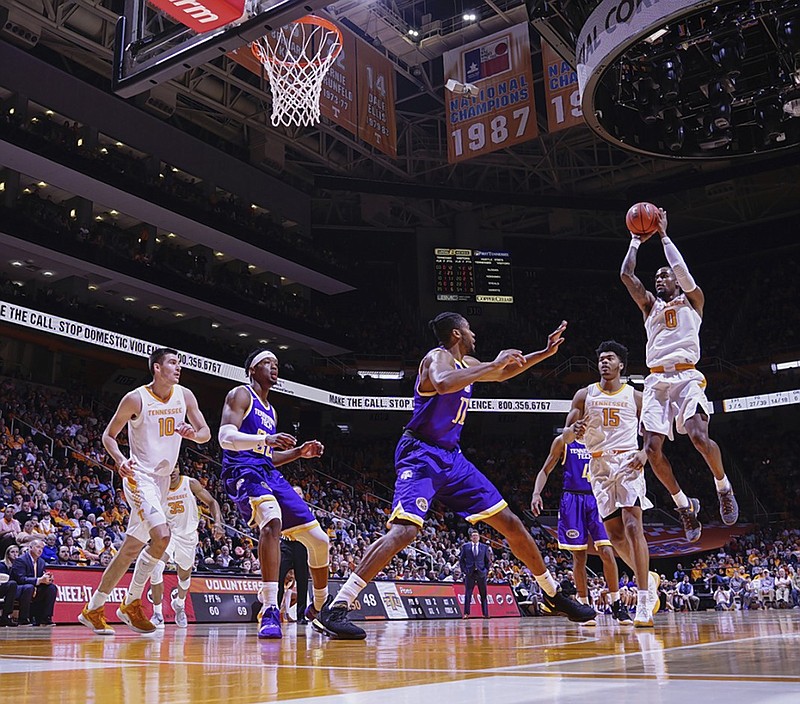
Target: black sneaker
{"x": 333, "y": 622}
{"x": 620, "y": 613}
{"x": 573, "y": 610}
{"x": 691, "y": 524}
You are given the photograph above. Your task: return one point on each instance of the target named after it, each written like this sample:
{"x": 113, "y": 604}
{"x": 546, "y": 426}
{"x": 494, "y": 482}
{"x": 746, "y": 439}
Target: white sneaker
{"x": 653, "y": 583}
{"x": 643, "y": 617}
{"x": 181, "y": 620}
{"x": 157, "y": 620}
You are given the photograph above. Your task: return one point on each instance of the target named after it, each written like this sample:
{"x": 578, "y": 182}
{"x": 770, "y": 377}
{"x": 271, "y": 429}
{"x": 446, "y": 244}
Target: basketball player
{"x": 606, "y": 415}
{"x": 578, "y": 518}
{"x": 251, "y": 451}
{"x": 674, "y": 391}
{"x": 183, "y": 518}
{"x": 429, "y": 465}
{"x": 155, "y": 416}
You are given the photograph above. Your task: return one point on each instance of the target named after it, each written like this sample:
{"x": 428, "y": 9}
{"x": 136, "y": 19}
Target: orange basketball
{"x": 642, "y": 219}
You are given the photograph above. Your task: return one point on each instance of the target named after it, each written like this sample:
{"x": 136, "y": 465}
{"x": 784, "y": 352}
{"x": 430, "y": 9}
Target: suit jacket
{"x": 22, "y": 569}
{"x": 475, "y": 563}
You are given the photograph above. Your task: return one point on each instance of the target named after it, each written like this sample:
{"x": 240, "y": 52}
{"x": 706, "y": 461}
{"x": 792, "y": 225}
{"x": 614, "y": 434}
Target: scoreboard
{"x": 473, "y": 275}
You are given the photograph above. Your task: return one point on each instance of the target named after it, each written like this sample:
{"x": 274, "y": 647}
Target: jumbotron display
{"x": 473, "y": 275}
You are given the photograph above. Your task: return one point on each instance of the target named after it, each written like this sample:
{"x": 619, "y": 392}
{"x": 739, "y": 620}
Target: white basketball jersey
{"x": 182, "y": 511}
{"x": 152, "y": 437}
{"x": 673, "y": 333}
{"x": 620, "y": 423}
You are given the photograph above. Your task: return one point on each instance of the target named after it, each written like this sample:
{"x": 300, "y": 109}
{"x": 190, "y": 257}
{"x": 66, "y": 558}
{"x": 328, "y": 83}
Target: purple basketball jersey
{"x": 576, "y": 468}
{"x": 259, "y": 420}
{"x": 439, "y": 418}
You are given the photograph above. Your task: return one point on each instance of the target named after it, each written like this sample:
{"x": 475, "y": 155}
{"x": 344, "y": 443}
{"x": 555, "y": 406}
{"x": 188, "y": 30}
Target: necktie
{"x": 475, "y": 549}
{"x": 35, "y": 576}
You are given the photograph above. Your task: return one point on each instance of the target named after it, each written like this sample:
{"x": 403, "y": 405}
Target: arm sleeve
{"x": 675, "y": 260}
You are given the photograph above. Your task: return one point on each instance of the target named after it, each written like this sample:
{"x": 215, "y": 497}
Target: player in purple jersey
{"x": 251, "y": 450}
{"x": 429, "y": 465}
{"x": 578, "y": 518}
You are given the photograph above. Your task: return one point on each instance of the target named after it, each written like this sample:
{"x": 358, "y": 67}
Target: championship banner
{"x": 377, "y": 123}
{"x": 503, "y": 113}
{"x": 561, "y": 91}
{"x": 670, "y": 541}
{"x": 338, "y": 99}
{"x": 77, "y": 584}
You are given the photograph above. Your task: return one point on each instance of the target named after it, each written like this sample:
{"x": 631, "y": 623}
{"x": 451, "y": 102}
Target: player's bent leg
{"x": 130, "y": 611}
{"x": 524, "y": 548}
{"x": 616, "y": 533}
{"x": 269, "y": 619}
{"x": 179, "y": 602}
{"x": 157, "y": 594}
{"x": 581, "y": 582}
{"x": 317, "y": 544}
{"x": 634, "y": 532}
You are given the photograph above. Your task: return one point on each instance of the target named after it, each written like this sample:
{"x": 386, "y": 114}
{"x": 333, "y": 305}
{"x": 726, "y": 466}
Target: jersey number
{"x": 166, "y": 426}
{"x": 176, "y": 507}
{"x": 461, "y": 414}
{"x": 585, "y": 474}
{"x": 263, "y": 449}
{"x": 670, "y": 318}
{"x": 611, "y": 417}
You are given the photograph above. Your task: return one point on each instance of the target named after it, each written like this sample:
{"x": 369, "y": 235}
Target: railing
{"x": 34, "y": 431}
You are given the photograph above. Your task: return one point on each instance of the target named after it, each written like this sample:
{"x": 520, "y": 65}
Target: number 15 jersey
{"x": 620, "y": 423}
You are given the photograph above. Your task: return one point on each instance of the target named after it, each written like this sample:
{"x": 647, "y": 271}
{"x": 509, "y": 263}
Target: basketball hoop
{"x": 296, "y": 58}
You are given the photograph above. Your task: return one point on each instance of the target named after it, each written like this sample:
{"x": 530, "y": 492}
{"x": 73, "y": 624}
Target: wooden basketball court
{"x": 720, "y": 657}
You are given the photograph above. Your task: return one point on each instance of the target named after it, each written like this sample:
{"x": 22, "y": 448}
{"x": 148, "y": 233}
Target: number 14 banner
{"x": 503, "y": 113}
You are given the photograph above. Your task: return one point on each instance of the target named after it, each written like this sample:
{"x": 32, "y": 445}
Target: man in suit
{"x": 475, "y": 560}
{"x": 31, "y": 569}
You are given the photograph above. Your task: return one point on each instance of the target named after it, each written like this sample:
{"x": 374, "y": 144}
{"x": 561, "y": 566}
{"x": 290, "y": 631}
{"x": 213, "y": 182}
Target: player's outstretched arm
{"x": 440, "y": 374}
{"x": 129, "y": 407}
{"x": 308, "y": 450}
{"x": 694, "y": 293}
{"x": 643, "y": 298}
{"x": 237, "y": 403}
{"x": 196, "y": 429}
{"x": 554, "y": 341}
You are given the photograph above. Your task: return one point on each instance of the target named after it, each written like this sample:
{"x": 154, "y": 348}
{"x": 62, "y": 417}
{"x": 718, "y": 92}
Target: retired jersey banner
{"x": 503, "y": 113}
{"x": 338, "y": 99}
{"x": 377, "y": 123}
{"x": 561, "y": 91}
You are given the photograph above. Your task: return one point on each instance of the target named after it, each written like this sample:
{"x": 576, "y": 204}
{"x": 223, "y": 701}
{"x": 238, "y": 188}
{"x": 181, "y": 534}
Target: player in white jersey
{"x": 674, "y": 391}
{"x": 606, "y": 416}
{"x": 155, "y": 416}
{"x": 183, "y": 518}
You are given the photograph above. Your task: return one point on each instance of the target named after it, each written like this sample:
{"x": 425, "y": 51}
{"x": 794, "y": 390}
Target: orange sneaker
{"x": 133, "y": 617}
{"x": 95, "y": 621}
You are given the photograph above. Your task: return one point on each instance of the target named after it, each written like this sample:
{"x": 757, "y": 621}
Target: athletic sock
{"x": 158, "y": 610}
{"x": 350, "y": 590}
{"x": 642, "y": 596}
{"x": 98, "y": 600}
{"x": 269, "y": 594}
{"x": 320, "y": 597}
{"x": 178, "y": 601}
{"x": 723, "y": 484}
{"x": 583, "y": 599}
{"x": 547, "y": 583}
{"x": 145, "y": 564}
{"x": 680, "y": 499}
{"x": 614, "y": 596}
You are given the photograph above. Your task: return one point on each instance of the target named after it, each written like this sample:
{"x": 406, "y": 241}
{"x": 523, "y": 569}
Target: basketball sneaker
{"x": 181, "y": 621}
{"x": 620, "y": 612}
{"x": 653, "y": 583}
{"x": 643, "y": 617}
{"x": 333, "y": 622}
{"x": 728, "y": 507}
{"x": 95, "y": 621}
{"x": 311, "y": 612}
{"x": 269, "y": 623}
{"x": 133, "y": 617}
{"x": 573, "y": 610}
{"x": 691, "y": 525}
{"x": 157, "y": 620}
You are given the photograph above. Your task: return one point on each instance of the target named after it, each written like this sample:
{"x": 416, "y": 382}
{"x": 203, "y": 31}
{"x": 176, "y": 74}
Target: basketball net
{"x": 296, "y": 58}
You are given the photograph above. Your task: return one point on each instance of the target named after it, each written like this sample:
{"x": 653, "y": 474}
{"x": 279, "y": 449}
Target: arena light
{"x": 469, "y": 17}
{"x": 380, "y": 374}
{"x": 16, "y": 262}
{"x": 783, "y": 366}
{"x": 129, "y": 299}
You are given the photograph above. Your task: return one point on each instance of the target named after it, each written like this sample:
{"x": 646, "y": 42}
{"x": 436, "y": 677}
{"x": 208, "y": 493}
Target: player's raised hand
{"x": 280, "y": 441}
{"x": 662, "y": 222}
{"x": 509, "y": 358}
{"x": 554, "y": 339}
{"x": 536, "y": 504}
{"x": 127, "y": 468}
{"x": 311, "y": 448}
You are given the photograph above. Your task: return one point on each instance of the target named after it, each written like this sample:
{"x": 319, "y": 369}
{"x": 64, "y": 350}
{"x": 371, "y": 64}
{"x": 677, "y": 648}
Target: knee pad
{"x": 185, "y": 583}
{"x": 317, "y": 544}
{"x": 267, "y": 509}
{"x": 157, "y": 575}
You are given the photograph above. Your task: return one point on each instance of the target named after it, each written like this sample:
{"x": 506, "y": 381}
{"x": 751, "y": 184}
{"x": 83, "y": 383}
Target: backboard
{"x": 151, "y": 47}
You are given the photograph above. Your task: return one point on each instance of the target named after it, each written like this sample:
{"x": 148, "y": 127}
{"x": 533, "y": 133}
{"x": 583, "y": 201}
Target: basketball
{"x": 642, "y": 219}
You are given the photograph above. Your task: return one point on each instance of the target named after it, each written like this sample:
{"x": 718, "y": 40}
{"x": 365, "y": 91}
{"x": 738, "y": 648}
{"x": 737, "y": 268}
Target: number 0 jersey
{"x": 576, "y": 468}
{"x": 673, "y": 333}
{"x": 182, "y": 513}
{"x": 439, "y": 418}
{"x": 151, "y": 435}
{"x": 260, "y": 419}
{"x": 619, "y": 418}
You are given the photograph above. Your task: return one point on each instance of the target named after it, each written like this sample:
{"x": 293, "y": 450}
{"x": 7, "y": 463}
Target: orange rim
{"x": 261, "y": 55}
